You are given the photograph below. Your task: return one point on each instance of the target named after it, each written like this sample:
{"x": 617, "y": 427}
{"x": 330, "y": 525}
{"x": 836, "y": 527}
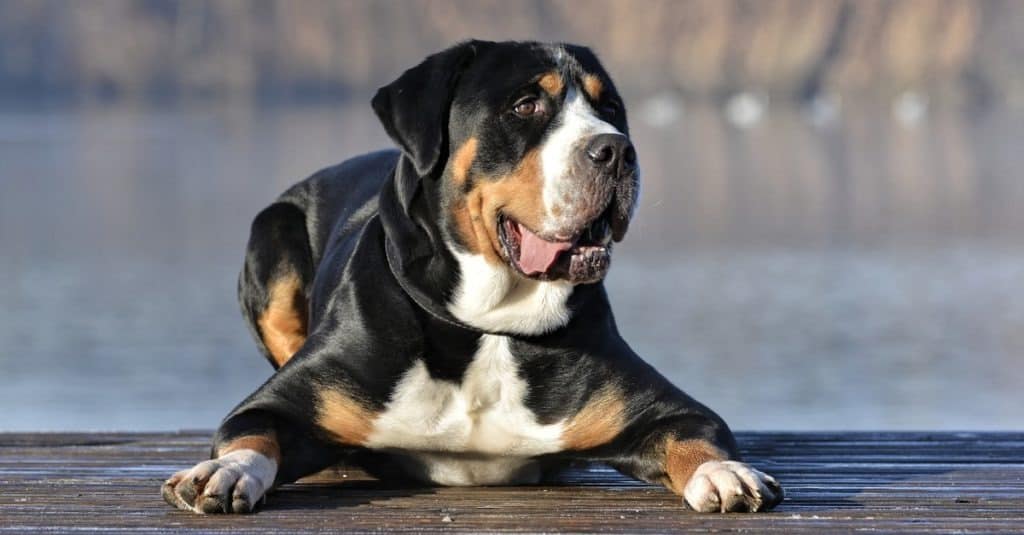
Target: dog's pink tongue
{"x": 536, "y": 255}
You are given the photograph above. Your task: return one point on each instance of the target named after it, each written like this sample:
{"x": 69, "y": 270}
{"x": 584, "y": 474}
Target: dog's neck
{"x": 481, "y": 296}
{"x": 492, "y": 298}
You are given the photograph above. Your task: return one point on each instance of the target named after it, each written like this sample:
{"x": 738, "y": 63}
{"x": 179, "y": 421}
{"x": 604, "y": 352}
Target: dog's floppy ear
{"x": 414, "y": 108}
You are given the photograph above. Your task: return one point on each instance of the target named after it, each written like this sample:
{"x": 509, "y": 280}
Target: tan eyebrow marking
{"x": 593, "y": 86}
{"x": 552, "y": 83}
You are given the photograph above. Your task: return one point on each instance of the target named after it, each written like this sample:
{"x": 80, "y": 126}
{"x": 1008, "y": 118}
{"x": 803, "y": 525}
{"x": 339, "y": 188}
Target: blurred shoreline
{"x": 320, "y": 50}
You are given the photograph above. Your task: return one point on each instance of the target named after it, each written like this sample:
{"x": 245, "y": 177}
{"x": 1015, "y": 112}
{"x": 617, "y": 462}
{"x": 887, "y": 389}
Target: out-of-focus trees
{"x": 145, "y": 49}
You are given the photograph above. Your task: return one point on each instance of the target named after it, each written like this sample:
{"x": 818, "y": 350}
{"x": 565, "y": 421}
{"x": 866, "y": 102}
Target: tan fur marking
{"x": 264, "y": 444}
{"x": 599, "y": 422}
{"x": 462, "y": 161}
{"x": 283, "y": 323}
{"x": 593, "y": 86}
{"x": 518, "y": 195}
{"x": 464, "y": 223}
{"x": 552, "y": 83}
{"x": 683, "y": 457}
{"x": 344, "y": 418}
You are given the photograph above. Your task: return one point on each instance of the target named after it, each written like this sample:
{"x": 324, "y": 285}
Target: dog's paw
{"x": 731, "y": 486}
{"x": 232, "y": 483}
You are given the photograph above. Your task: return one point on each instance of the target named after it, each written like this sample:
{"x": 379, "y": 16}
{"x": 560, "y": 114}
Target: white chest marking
{"x": 477, "y": 432}
{"x": 493, "y": 298}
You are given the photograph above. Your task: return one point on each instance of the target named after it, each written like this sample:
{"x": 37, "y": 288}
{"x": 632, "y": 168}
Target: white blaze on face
{"x": 576, "y": 123}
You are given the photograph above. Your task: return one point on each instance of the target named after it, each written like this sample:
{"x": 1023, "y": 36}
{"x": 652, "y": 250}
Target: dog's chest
{"x": 476, "y": 432}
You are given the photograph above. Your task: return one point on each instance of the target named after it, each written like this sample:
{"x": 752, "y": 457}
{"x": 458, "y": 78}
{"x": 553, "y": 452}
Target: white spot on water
{"x": 746, "y": 109}
{"x": 910, "y": 108}
{"x": 662, "y": 110}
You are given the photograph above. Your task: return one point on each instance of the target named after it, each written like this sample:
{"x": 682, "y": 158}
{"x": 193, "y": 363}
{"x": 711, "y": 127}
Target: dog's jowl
{"x": 438, "y": 312}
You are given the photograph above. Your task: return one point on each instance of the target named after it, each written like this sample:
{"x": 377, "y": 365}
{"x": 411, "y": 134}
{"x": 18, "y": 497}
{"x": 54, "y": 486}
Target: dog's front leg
{"x": 253, "y": 451}
{"x": 712, "y": 481}
{"x": 240, "y": 473}
{"x": 695, "y": 456}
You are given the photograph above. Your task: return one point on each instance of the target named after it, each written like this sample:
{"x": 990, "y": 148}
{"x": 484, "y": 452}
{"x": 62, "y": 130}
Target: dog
{"x": 437, "y": 313}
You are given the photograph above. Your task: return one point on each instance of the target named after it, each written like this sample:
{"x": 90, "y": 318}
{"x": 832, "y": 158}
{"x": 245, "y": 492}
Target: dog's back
{"x": 288, "y": 241}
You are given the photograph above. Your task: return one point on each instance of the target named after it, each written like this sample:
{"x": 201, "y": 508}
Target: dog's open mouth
{"x": 582, "y": 258}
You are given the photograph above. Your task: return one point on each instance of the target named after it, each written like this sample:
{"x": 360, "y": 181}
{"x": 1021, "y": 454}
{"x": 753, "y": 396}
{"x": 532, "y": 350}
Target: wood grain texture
{"x": 920, "y": 482}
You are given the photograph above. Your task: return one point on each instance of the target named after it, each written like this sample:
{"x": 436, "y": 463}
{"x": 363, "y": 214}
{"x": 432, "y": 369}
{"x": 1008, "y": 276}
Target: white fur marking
{"x": 721, "y": 485}
{"x": 578, "y": 122}
{"x": 474, "y": 433}
{"x": 254, "y": 464}
{"x": 253, "y": 472}
{"x": 493, "y": 298}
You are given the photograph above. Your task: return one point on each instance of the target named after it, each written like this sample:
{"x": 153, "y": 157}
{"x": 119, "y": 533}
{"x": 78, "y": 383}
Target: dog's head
{"x": 527, "y": 152}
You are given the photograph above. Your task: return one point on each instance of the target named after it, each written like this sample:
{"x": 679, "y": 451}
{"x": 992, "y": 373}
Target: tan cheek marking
{"x": 470, "y": 225}
{"x": 343, "y": 418}
{"x": 682, "y": 457}
{"x": 283, "y": 323}
{"x": 593, "y": 86}
{"x": 264, "y": 444}
{"x": 552, "y": 83}
{"x": 462, "y": 161}
{"x": 599, "y": 422}
{"x": 518, "y": 194}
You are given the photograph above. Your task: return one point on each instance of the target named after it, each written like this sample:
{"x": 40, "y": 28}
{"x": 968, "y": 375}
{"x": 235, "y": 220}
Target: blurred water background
{"x": 829, "y": 237}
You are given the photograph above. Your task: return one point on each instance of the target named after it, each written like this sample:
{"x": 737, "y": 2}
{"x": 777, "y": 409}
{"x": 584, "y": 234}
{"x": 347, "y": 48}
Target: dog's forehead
{"x": 505, "y": 67}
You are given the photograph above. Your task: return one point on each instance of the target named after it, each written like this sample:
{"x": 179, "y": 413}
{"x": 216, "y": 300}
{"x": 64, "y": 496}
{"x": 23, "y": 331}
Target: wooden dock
{"x": 921, "y": 482}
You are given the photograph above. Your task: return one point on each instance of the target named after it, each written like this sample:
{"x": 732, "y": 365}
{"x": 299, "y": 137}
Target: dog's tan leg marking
{"x": 343, "y": 418}
{"x": 701, "y": 473}
{"x": 264, "y": 444}
{"x": 234, "y": 482}
{"x": 682, "y": 457}
{"x": 283, "y": 323}
{"x": 597, "y": 423}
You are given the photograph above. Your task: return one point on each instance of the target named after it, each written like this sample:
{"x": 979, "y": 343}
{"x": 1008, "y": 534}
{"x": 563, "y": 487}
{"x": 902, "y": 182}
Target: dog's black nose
{"x": 611, "y": 151}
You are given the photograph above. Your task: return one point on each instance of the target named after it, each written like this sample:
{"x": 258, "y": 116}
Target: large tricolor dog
{"x": 438, "y": 313}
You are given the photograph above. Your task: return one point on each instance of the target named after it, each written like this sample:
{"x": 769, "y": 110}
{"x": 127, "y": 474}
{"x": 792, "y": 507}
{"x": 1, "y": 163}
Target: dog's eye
{"x": 526, "y": 107}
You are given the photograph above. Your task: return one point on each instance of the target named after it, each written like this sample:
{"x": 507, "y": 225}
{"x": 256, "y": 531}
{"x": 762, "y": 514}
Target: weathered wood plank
{"x": 921, "y": 482}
